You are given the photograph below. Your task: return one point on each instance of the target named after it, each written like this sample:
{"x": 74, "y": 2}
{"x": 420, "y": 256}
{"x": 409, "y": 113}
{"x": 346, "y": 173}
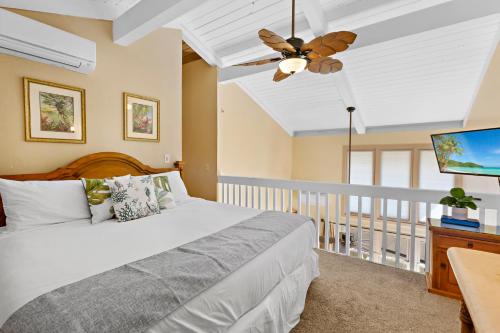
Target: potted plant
{"x": 459, "y": 202}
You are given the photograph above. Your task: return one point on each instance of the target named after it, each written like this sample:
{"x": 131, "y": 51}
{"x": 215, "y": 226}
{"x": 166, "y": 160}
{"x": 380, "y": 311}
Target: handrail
{"x": 348, "y": 228}
{"x": 395, "y": 193}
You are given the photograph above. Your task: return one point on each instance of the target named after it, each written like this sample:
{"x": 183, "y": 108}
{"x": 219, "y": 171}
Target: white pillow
{"x": 29, "y": 204}
{"x": 176, "y": 185}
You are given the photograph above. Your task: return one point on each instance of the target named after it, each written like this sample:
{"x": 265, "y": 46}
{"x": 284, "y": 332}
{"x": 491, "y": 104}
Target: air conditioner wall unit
{"x": 30, "y": 39}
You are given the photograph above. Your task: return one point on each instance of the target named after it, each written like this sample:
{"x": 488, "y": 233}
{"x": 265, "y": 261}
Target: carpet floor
{"x": 353, "y": 295}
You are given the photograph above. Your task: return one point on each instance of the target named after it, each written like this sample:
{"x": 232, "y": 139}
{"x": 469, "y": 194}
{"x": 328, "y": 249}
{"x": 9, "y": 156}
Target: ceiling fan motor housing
{"x": 297, "y": 44}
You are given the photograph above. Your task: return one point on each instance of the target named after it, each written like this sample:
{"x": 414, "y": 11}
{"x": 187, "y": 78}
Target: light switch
{"x": 167, "y": 158}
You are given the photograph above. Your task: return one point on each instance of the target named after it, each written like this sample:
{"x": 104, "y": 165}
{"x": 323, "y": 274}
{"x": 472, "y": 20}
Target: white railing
{"x": 390, "y": 229}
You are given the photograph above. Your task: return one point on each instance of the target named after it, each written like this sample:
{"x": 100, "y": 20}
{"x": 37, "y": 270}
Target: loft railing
{"x": 376, "y": 223}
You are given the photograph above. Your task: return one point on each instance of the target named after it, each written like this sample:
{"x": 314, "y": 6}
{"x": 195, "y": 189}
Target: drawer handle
{"x": 470, "y": 245}
{"x": 443, "y": 265}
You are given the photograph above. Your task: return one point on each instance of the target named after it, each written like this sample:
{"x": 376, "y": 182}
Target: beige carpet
{"x": 353, "y": 295}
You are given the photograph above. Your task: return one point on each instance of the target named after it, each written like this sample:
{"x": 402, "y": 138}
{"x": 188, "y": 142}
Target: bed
{"x": 263, "y": 294}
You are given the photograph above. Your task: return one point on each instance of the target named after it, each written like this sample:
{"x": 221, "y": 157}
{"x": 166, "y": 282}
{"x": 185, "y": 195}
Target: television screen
{"x": 469, "y": 152}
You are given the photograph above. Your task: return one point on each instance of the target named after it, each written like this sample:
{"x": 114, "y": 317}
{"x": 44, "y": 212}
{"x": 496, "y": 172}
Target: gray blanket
{"x": 136, "y": 296}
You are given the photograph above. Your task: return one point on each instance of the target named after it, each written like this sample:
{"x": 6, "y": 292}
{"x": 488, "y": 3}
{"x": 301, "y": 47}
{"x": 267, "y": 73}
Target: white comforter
{"x": 36, "y": 261}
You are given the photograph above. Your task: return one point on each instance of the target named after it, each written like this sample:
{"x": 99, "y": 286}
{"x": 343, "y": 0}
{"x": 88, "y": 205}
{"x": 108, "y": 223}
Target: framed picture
{"x": 53, "y": 112}
{"x": 141, "y": 118}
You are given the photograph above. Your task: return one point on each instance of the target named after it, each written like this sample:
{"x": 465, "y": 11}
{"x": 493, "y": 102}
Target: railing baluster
{"x": 274, "y": 198}
{"x": 246, "y": 195}
{"x": 267, "y": 198}
{"x": 360, "y": 227}
{"x": 428, "y": 207}
{"x": 222, "y": 192}
{"x": 384, "y": 231}
{"x": 300, "y": 202}
{"x": 413, "y": 216}
{"x": 327, "y": 224}
{"x": 398, "y": 234}
{"x": 337, "y": 222}
{"x": 318, "y": 217}
{"x": 259, "y": 196}
{"x": 308, "y": 204}
{"x": 234, "y": 194}
{"x": 282, "y": 199}
{"x": 290, "y": 202}
{"x": 482, "y": 215}
{"x": 372, "y": 226}
{"x": 348, "y": 226}
{"x": 239, "y": 195}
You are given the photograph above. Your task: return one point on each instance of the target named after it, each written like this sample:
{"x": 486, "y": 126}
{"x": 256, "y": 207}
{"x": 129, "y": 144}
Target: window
{"x": 361, "y": 174}
{"x": 395, "y": 171}
{"x": 407, "y": 166}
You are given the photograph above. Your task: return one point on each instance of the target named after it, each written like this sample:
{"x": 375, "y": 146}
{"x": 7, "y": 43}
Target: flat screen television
{"x": 469, "y": 152}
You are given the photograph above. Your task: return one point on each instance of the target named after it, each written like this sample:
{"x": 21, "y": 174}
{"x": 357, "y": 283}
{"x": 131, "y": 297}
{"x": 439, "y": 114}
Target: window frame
{"x": 377, "y": 150}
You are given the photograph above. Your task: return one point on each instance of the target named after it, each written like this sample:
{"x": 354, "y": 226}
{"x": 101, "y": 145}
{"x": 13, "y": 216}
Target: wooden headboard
{"x": 99, "y": 165}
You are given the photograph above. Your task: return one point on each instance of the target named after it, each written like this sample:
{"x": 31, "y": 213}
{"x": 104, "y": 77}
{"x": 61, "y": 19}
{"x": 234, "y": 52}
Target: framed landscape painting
{"x": 141, "y": 118}
{"x": 53, "y": 112}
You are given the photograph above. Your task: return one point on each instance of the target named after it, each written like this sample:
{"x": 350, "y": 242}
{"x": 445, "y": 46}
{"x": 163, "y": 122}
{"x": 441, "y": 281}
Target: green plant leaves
{"x": 459, "y": 199}
{"x": 457, "y": 192}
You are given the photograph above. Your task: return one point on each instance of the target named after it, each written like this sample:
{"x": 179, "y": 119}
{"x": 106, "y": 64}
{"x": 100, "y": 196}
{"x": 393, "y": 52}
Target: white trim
{"x": 322, "y": 132}
{"x": 441, "y": 125}
{"x": 264, "y": 107}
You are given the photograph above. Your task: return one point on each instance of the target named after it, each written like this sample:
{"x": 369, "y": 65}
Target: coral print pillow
{"x": 133, "y": 198}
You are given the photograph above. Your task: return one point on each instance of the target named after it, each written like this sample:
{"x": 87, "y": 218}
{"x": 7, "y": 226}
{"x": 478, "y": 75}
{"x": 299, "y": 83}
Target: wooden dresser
{"x": 441, "y": 279}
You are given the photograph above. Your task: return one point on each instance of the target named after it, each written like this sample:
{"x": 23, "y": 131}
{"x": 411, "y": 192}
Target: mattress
{"x": 273, "y": 285}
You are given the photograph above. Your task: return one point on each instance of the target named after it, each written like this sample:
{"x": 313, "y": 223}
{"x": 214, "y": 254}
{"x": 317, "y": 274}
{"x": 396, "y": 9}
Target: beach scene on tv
{"x": 475, "y": 152}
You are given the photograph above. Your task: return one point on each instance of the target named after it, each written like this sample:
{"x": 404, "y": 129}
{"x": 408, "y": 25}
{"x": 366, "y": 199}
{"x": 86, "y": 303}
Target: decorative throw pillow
{"x": 163, "y": 191}
{"x": 133, "y": 198}
{"x": 99, "y": 199}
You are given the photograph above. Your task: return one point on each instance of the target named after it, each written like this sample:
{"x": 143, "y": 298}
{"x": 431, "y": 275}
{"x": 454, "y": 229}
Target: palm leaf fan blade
{"x": 325, "y": 65}
{"x": 275, "y": 41}
{"x": 329, "y": 44}
{"x": 279, "y": 76}
{"x": 259, "y": 62}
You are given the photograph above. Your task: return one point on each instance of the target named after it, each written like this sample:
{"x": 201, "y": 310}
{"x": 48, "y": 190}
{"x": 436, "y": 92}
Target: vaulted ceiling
{"x": 415, "y": 64}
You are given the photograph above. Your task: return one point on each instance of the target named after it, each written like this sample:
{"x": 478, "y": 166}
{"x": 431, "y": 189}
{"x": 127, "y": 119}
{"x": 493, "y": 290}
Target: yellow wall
{"x": 149, "y": 67}
{"x": 251, "y": 143}
{"x": 199, "y": 129}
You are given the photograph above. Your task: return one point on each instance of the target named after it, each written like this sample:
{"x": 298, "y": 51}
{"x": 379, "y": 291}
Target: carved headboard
{"x": 98, "y": 165}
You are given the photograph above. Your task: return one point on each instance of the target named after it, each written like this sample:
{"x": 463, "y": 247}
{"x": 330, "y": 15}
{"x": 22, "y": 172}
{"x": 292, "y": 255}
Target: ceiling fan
{"x": 297, "y": 56}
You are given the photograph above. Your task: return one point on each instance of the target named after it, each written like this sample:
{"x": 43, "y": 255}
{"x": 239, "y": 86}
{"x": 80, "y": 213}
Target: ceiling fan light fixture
{"x": 292, "y": 65}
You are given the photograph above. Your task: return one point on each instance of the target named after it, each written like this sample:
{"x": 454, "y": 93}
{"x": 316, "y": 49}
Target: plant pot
{"x": 459, "y": 213}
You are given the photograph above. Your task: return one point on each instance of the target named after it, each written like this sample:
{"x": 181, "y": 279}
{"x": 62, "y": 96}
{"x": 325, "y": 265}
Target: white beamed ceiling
{"x": 416, "y": 63}
{"x": 424, "y": 78}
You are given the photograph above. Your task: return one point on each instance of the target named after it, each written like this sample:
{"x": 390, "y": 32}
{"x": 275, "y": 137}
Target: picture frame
{"x": 54, "y": 112}
{"x": 141, "y": 118}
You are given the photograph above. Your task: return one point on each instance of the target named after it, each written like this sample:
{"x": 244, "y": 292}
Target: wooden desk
{"x": 478, "y": 276}
{"x": 441, "y": 279}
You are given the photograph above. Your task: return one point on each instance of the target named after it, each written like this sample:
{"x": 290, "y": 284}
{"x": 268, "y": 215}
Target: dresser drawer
{"x": 445, "y": 242}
